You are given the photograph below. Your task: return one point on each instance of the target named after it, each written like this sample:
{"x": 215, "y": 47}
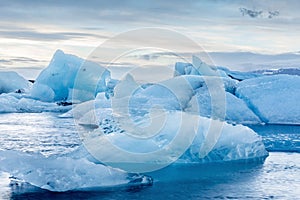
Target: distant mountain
{"x": 247, "y": 61}
{"x": 290, "y": 71}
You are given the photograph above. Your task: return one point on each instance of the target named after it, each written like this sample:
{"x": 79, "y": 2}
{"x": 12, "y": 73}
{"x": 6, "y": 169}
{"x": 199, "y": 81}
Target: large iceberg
{"x": 192, "y": 139}
{"x": 188, "y": 137}
{"x": 171, "y": 94}
{"x": 69, "y": 77}
{"x": 214, "y": 100}
{"x": 138, "y": 128}
{"x": 207, "y": 96}
{"x": 253, "y": 99}
{"x": 275, "y": 99}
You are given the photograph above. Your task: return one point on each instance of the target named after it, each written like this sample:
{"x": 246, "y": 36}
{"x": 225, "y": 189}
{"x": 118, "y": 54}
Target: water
{"x": 277, "y": 178}
{"x": 280, "y": 137}
{"x": 38, "y": 132}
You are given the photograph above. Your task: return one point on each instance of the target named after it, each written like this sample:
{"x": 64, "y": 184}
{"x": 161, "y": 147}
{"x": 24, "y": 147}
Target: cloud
{"x": 93, "y": 14}
{"x": 158, "y": 55}
{"x": 273, "y": 14}
{"x": 217, "y": 25}
{"x": 251, "y": 13}
{"x": 36, "y": 35}
{"x": 256, "y": 14}
{"x": 23, "y": 60}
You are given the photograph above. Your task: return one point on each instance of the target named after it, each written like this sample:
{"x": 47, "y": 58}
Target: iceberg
{"x": 240, "y": 76}
{"x": 15, "y": 96}
{"x": 142, "y": 128}
{"x": 237, "y": 110}
{"x": 42, "y": 92}
{"x": 69, "y": 77}
{"x": 197, "y": 68}
{"x": 192, "y": 139}
{"x": 149, "y": 118}
{"x": 13, "y": 82}
{"x": 176, "y": 93}
{"x": 207, "y": 99}
{"x": 205, "y": 95}
{"x": 65, "y": 173}
{"x": 275, "y": 98}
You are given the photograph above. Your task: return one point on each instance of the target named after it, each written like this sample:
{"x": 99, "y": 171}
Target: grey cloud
{"x": 155, "y": 56}
{"x": 5, "y": 61}
{"x": 256, "y": 14}
{"x": 251, "y": 13}
{"x": 273, "y": 14}
{"x": 72, "y": 12}
{"x": 25, "y": 59}
{"x": 212, "y": 18}
{"x": 35, "y": 35}
{"x": 13, "y": 60}
{"x": 95, "y": 14}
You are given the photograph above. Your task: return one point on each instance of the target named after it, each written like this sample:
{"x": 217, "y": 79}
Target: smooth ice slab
{"x": 275, "y": 99}
{"x": 65, "y": 173}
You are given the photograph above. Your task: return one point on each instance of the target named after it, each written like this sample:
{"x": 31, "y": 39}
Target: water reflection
{"x": 37, "y": 132}
{"x": 284, "y": 138}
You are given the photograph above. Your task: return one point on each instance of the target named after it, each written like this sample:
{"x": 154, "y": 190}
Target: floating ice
{"x": 188, "y": 92}
{"x": 118, "y": 118}
{"x": 240, "y": 75}
{"x": 65, "y": 173}
{"x": 197, "y": 68}
{"x": 175, "y": 93}
{"x": 275, "y": 99}
{"x": 69, "y": 77}
{"x": 42, "y": 92}
{"x": 173, "y": 97}
{"x": 236, "y": 109}
{"x": 183, "y": 135}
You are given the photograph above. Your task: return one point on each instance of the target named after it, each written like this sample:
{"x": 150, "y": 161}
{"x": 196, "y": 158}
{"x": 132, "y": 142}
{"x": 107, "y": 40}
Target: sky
{"x": 31, "y": 31}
